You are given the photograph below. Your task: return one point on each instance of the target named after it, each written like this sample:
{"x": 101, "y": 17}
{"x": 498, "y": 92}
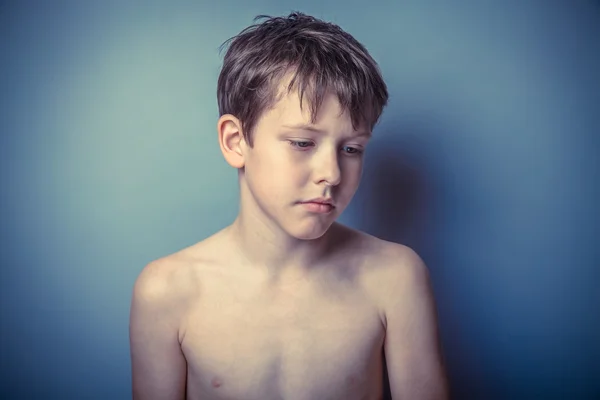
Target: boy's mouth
{"x": 320, "y": 200}
{"x": 320, "y": 205}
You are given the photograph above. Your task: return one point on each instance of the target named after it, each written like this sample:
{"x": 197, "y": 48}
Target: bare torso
{"x": 315, "y": 338}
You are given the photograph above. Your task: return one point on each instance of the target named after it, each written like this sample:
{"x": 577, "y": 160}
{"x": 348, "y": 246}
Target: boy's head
{"x": 318, "y": 56}
{"x": 298, "y": 99}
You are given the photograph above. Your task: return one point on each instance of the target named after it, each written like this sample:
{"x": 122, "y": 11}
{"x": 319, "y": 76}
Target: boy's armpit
{"x": 158, "y": 364}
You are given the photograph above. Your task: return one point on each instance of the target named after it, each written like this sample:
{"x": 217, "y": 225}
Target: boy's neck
{"x": 271, "y": 251}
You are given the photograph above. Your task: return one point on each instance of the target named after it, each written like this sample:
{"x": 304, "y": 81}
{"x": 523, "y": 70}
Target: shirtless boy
{"x": 286, "y": 303}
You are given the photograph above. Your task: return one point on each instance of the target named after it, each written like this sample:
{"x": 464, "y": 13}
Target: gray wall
{"x": 485, "y": 162}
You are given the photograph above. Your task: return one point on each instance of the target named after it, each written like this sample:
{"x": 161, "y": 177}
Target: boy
{"x": 285, "y": 303}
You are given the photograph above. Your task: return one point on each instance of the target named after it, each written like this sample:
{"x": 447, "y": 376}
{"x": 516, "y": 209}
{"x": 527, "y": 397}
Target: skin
{"x": 286, "y": 303}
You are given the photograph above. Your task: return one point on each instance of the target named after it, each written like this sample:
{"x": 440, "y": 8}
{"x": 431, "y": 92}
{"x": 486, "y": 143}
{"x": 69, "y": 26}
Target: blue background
{"x": 485, "y": 162}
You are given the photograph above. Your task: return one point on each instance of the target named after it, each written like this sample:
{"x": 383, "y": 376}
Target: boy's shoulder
{"x": 388, "y": 260}
{"x": 374, "y": 250}
{"x": 164, "y": 282}
{"x": 383, "y": 266}
{"x": 177, "y": 276}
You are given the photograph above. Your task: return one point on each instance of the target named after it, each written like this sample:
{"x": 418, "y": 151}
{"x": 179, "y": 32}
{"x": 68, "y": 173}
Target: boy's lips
{"x": 320, "y": 200}
{"x": 319, "y": 205}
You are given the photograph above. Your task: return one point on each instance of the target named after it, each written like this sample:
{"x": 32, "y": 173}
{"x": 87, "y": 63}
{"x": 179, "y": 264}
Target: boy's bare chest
{"x": 297, "y": 344}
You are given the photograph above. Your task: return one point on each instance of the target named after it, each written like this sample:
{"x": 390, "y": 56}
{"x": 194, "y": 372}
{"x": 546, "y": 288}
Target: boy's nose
{"x": 328, "y": 170}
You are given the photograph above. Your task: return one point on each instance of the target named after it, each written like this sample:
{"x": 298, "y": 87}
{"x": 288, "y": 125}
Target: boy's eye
{"x": 301, "y": 144}
{"x": 305, "y": 145}
{"x": 352, "y": 150}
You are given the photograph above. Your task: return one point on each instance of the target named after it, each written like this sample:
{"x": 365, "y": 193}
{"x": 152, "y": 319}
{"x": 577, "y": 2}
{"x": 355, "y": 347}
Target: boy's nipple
{"x": 216, "y": 382}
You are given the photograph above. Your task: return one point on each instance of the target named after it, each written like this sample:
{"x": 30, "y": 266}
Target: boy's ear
{"x": 231, "y": 140}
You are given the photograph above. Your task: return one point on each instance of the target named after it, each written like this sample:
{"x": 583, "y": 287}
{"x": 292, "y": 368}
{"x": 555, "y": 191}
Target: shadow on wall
{"x": 403, "y": 198}
{"x": 395, "y": 199}
{"x": 391, "y": 202}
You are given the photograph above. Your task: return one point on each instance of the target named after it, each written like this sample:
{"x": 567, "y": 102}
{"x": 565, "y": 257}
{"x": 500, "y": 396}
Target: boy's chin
{"x": 306, "y": 232}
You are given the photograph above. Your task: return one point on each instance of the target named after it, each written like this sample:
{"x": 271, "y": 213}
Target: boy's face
{"x": 293, "y": 161}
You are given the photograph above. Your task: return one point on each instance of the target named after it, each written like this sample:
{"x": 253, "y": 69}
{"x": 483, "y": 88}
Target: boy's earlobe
{"x": 231, "y": 140}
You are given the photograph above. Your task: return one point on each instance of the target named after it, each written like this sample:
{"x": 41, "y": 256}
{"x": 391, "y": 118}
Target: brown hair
{"x": 320, "y": 56}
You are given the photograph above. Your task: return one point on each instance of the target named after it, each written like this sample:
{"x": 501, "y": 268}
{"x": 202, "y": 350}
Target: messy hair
{"x": 319, "y": 56}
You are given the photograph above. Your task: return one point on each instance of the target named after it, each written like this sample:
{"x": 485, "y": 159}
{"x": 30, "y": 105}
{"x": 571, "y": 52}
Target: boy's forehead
{"x": 289, "y": 108}
{"x": 288, "y": 111}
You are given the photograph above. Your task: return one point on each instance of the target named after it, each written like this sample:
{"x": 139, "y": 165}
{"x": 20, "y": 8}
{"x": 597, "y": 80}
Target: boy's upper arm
{"x": 158, "y": 365}
{"x": 412, "y": 347}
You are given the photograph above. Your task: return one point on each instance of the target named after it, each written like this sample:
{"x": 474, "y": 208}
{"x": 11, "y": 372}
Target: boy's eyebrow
{"x": 308, "y": 127}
